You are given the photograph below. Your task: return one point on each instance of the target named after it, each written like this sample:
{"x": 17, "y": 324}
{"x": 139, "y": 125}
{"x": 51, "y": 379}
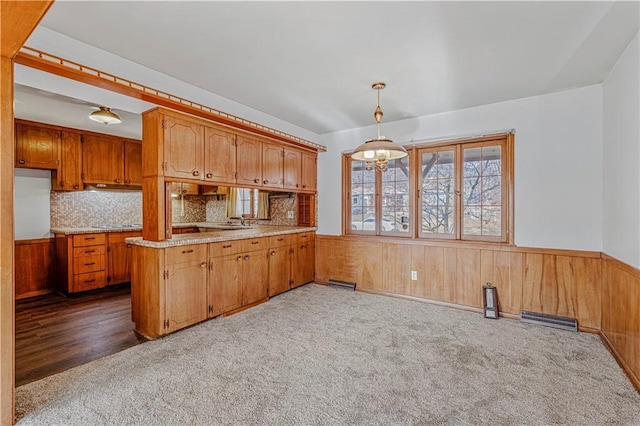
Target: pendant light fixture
{"x": 377, "y": 152}
{"x": 105, "y": 116}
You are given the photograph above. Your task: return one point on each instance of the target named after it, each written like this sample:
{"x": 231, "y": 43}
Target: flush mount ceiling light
{"x": 378, "y": 151}
{"x": 105, "y": 116}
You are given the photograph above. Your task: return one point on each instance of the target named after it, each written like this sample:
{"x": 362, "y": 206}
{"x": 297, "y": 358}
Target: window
{"x": 380, "y": 203}
{"x": 463, "y": 192}
{"x": 247, "y": 202}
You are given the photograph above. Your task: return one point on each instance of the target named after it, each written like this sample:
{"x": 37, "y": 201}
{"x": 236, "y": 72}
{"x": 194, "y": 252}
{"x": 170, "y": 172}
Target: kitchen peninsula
{"x": 192, "y": 277}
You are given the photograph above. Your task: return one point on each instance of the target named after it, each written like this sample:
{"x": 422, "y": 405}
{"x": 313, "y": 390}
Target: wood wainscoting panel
{"x": 35, "y": 267}
{"x": 556, "y": 282}
{"x": 621, "y": 314}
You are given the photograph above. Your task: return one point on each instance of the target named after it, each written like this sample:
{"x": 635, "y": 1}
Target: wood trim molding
{"x": 72, "y": 130}
{"x": 634, "y": 272}
{"x": 85, "y": 74}
{"x": 635, "y": 380}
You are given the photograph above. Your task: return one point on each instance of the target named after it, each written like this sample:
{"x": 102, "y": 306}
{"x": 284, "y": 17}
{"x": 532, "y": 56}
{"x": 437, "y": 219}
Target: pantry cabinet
{"x": 37, "y": 147}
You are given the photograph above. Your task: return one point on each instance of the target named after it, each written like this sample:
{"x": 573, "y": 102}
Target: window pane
{"x": 482, "y": 191}
{"x": 362, "y": 197}
{"x": 438, "y": 192}
{"x": 395, "y": 197}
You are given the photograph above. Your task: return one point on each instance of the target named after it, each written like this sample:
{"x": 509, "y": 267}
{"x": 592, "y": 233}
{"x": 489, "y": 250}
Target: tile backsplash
{"x": 92, "y": 208}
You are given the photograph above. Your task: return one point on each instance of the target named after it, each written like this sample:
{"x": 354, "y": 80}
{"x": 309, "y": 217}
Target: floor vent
{"x": 342, "y": 285}
{"x": 555, "y": 321}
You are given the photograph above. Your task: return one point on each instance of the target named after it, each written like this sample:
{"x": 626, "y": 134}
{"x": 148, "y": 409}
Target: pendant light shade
{"x": 105, "y": 116}
{"x": 377, "y": 152}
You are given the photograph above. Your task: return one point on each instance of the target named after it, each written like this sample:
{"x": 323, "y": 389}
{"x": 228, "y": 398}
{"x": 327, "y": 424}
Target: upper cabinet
{"x": 183, "y": 148}
{"x": 309, "y": 171}
{"x": 292, "y": 168}
{"x": 102, "y": 160}
{"x": 272, "y": 166}
{"x": 219, "y": 156}
{"x": 68, "y": 177}
{"x": 132, "y": 162}
{"x": 248, "y": 161}
{"x": 37, "y": 147}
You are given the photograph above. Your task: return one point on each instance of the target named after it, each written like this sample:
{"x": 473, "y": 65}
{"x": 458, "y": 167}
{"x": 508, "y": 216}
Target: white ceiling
{"x": 312, "y": 63}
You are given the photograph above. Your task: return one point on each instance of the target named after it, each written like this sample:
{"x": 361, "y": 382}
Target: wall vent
{"x": 563, "y": 323}
{"x": 342, "y": 285}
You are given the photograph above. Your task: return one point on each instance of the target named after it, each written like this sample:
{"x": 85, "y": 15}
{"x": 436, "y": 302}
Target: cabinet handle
{"x": 227, "y": 246}
{"x": 203, "y": 265}
{"x": 128, "y": 245}
{"x": 246, "y": 257}
{"x": 90, "y": 281}
{"x": 21, "y": 161}
{"x": 89, "y": 238}
{"x": 117, "y": 181}
{"x": 255, "y": 242}
{"x": 187, "y": 251}
{"x": 303, "y": 236}
{"x": 89, "y": 251}
{"x": 196, "y": 173}
{"x": 89, "y": 264}
{"x": 209, "y": 175}
{"x": 266, "y": 181}
{"x": 280, "y": 239}
{"x": 256, "y": 181}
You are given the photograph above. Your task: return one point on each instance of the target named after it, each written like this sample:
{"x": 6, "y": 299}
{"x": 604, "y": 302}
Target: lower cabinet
{"x": 119, "y": 257}
{"x": 82, "y": 261}
{"x": 175, "y": 287}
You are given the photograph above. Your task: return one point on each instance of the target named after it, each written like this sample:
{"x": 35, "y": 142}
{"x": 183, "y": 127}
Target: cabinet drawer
{"x": 90, "y": 281}
{"x": 306, "y": 237}
{"x": 282, "y": 240}
{"x": 254, "y": 244}
{"x": 89, "y": 251}
{"x": 82, "y": 240}
{"x": 226, "y": 247}
{"x": 84, "y": 264}
{"x": 187, "y": 254}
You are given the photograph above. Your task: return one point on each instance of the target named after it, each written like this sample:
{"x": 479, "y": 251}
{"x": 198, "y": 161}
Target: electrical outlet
{"x": 290, "y": 214}
{"x": 414, "y": 275}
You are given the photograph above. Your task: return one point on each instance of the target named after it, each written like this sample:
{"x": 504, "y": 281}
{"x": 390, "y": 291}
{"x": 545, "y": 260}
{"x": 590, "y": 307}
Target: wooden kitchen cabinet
{"x": 183, "y": 148}
{"x": 186, "y": 286}
{"x": 272, "y": 166}
{"x": 309, "y": 171}
{"x": 280, "y": 263}
{"x": 292, "y": 168}
{"x": 304, "y": 259}
{"x": 248, "y": 161}
{"x": 219, "y": 156}
{"x": 102, "y": 159}
{"x": 68, "y": 177}
{"x": 82, "y": 261}
{"x": 119, "y": 257}
{"x": 225, "y": 290}
{"x": 180, "y": 188}
{"x": 37, "y": 147}
{"x": 132, "y": 162}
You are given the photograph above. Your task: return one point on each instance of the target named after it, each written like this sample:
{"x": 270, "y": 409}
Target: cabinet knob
{"x": 273, "y": 253}
{"x": 256, "y": 181}
{"x": 127, "y": 181}
{"x": 266, "y": 181}
{"x": 76, "y": 186}
{"x": 239, "y": 258}
{"x": 297, "y": 185}
{"x": 209, "y": 175}
{"x": 117, "y": 181}
{"x": 196, "y": 173}
{"x": 203, "y": 264}
{"x": 21, "y": 161}
{"x": 246, "y": 257}
{"x": 304, "y": 186}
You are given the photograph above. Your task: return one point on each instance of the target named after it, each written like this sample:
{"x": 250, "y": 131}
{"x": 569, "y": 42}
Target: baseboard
{"x": 635, "y": 381}
{"x": 34, "y": 293}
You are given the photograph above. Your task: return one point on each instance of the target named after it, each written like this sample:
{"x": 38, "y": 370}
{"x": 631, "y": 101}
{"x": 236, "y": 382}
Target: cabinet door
{"x": 279, "y": 269}
{"x": 119, "y": 257}
{"x": 304, "y": 263}
{"x": 292, "y": 168}
{"x": 309, "y": 172}
{"x": 255, "y": 277}
{"x": 69, "y": 174}
{"x": 225, "y": 290}
{"x": 180, "y": 188}
{"x": 272, "y": 166}
{"x": 220, "y": 156}
{"x": 37, "y": 147}
{"x": 183, "y": 148}
{"x": 186, "y": 286}
{"x": 102, "y": 160}
{"x": 248, "y": 161}
{"x": 132, "y": 163}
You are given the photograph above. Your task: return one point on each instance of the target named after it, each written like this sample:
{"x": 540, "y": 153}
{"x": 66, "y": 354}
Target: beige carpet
{"x": 319, "y": 356}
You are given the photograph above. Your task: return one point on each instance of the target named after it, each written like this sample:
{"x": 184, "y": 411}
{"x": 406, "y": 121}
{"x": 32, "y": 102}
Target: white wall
{"x": 621, "y": 158}
{"x": 558, "y": 163}
{"x": 31, "y": 206}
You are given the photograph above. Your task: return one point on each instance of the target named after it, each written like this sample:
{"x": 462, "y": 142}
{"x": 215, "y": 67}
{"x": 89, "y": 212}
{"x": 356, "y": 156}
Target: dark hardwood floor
{"x": 55, "y": 333}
